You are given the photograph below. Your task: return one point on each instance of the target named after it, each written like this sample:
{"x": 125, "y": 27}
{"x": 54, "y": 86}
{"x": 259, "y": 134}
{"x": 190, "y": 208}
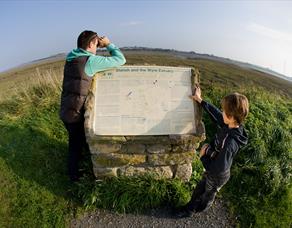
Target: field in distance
{"x": 213, "y": 73}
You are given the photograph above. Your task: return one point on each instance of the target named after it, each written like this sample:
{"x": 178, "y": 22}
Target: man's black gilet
{"x": 76, "y": 84}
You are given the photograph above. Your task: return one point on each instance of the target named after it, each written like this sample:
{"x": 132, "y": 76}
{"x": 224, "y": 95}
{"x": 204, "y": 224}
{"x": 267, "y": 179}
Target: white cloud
{"x": 270, "y": 32}
{"x": 132, "y": 23}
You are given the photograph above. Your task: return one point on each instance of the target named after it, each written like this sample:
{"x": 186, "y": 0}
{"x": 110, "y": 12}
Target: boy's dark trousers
{"x": 206, "y": 190}
{"x": 77, "y": 141}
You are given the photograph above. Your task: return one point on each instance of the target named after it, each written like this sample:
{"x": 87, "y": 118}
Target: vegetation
{"x": 35, "y": 190}
{"x": 33, "y": 183}
{"x": 260, "y": 185}
{"x": 135, "y": 194}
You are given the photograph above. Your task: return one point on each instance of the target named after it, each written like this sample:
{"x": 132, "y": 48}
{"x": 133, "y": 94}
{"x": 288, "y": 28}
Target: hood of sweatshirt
{"x": 240, "y": 135}
{"x": 75, "y": 53}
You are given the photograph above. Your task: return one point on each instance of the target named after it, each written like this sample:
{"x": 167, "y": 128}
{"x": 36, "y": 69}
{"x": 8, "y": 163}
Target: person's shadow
{"x": 40, "y": 157}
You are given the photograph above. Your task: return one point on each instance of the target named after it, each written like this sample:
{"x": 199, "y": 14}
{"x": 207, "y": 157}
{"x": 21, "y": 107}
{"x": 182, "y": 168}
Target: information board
{"x": 144, "y": 100}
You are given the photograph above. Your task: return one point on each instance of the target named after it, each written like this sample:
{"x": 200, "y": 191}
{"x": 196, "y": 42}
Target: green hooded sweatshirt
{"x": 96, "y": 63}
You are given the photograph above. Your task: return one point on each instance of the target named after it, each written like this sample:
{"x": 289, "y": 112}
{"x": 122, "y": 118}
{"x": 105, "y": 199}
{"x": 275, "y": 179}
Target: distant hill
{"x": 181, "y": 54}
{"x": 194, "y": 55}
{"x": 215, "y": 71}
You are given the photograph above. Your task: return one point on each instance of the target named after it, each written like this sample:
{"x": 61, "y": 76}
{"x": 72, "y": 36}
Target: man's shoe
{"x": 183, "y": 212}
{"x": 74, "y": 178}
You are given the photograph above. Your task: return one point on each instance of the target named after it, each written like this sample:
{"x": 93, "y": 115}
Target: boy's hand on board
{"x": 197, "y": 94}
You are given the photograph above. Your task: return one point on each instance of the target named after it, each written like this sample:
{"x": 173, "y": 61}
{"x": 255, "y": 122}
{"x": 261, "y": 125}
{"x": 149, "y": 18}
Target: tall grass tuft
{"x": 133, "y": 194}
{"x": 45, "y": 87}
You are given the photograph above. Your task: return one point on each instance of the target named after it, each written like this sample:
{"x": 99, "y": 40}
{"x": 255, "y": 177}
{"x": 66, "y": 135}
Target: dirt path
{"x": 217, "y": 216}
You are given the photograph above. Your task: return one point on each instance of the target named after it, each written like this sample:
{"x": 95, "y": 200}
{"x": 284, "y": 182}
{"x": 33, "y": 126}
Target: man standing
{"x": 81, "y": 65}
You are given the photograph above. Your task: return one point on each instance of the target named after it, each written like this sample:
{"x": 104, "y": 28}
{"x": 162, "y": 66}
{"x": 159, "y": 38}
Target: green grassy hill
{"x": 35, "y": 191}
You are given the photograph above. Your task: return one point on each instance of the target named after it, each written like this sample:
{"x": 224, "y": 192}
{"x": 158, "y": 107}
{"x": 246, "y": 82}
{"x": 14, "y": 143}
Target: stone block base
{"x": 170, "y": 157}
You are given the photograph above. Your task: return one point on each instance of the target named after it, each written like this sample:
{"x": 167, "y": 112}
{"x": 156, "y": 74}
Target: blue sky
{"x": 258, "y": 32}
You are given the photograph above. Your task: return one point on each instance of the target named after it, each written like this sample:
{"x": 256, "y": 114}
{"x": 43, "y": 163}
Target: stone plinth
{"x": 164, "y": 156}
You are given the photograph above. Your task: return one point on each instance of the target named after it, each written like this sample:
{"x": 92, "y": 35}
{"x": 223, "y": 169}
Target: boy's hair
{"x": 85, "y": 38}
{"x": 235, "y": 105}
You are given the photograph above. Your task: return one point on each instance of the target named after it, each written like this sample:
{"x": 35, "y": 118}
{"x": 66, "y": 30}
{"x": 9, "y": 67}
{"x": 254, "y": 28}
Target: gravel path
{"x": 217, "y": 216}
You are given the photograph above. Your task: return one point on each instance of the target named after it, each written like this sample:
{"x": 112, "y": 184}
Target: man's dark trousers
{"x": 77, "y": 141}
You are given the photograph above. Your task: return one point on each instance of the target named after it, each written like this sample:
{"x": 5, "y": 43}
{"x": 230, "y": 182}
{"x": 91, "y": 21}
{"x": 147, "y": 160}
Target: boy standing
{"x": 81, "y": 65}
{"x": 217, "y": 156}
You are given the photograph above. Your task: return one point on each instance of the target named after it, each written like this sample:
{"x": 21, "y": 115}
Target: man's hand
{"x": 203, "y": 150}
{"x": 197, "y": 94}
{"x": 103, "y": 42}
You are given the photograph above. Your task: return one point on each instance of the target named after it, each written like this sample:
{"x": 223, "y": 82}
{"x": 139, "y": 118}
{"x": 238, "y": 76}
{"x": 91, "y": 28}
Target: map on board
{"x": 144, "y": 100}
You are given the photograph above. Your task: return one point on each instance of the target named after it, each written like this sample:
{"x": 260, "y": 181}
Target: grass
{"x": 33, "y": 183}
{"x": 135, "y": 194}
{"x": 260, "y": 186}
{"x": 21, "y": 79}
{"x": 35, "y": 190}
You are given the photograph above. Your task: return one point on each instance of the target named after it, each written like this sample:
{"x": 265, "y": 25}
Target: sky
{"x": 257, "y": 32}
